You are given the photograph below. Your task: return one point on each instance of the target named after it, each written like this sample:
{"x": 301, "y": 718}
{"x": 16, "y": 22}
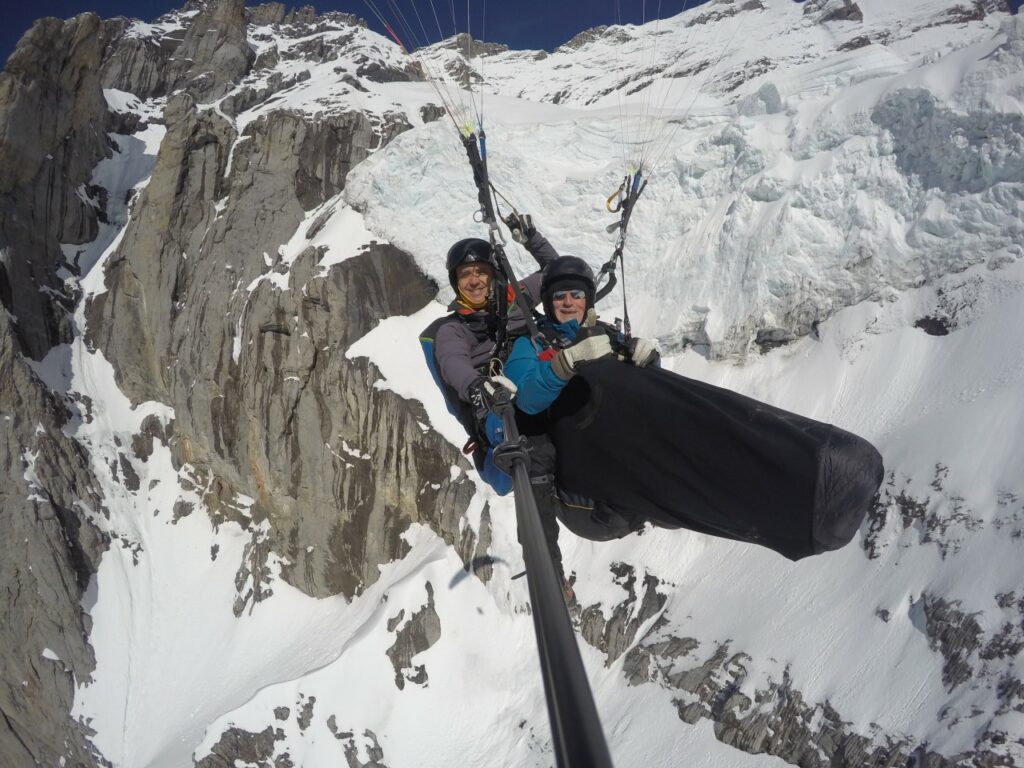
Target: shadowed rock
{"x": 48, "y": 553}
{"x": 52, "y": 133}
{"x": 419, "y": 633}
{"x": 215, "y": 52}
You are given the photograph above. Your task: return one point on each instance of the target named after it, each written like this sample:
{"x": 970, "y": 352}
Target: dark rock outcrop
{"x": 586, "y": 37}
{"x": 416, "y": 635}
{"x": 937, "y": 518}
{"x": 777, "y": 721}
{"x": 977, "y": 10}
{"x": 266, "y": 403}
{"x": 52, "y": 133}
{"x": 140, "y": 65}
{"x": 48, "y": 553}
{"x": 833, "y": 10}
{"x": 955, "y": 634}
{"x": 375, "y": 754}
{"x": 614, "y": 635}
{"x": 470, "y": 47}
{"x": 214, "y": 53}
{"x": 265, "y": 14}
{"x": 237, "y": 744}
{"x": 723, "y": 9}
{"x": 246, "y": 98}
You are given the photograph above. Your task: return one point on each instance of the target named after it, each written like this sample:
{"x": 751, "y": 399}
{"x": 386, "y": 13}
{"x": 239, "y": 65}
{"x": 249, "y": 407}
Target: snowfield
{"x": 839, "y": 234}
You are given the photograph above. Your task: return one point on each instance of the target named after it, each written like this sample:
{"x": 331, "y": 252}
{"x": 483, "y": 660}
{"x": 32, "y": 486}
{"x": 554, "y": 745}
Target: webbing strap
{"x": 628, "y": 193}
{"x": 520, "y": 298}
{"x": 479, "y": 168}
{"x": 483, "y": 192}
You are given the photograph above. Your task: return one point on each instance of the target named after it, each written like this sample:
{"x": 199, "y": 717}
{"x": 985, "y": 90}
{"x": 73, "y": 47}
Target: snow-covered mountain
{"x": 237, "y": 529}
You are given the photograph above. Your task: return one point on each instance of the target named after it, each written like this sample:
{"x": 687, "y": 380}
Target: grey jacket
{"x": 465, "y": 342}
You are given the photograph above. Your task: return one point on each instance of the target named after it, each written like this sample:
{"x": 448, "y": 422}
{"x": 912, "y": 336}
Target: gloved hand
{"x": 489, "y": 392}
{"x": 589, "y": 349}
{"x": 589, "y": 327}
{"x": 521, "y": 226}
{"x": 643, "y": 352}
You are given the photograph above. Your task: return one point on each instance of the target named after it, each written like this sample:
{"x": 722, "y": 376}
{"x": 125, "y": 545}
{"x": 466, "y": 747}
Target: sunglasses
{"x": 576, "y": 293}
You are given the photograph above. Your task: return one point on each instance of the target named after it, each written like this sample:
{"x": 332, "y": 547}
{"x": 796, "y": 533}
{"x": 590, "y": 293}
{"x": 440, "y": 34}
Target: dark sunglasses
{"x": 576, "y": 293}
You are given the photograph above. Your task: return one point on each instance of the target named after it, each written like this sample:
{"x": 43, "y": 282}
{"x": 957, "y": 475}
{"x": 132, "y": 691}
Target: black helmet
{"x": 469, "y": 251}
{"x": 564, "y": 273}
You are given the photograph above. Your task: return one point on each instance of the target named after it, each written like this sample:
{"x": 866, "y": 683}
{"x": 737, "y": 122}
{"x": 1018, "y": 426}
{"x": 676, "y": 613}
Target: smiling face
{"x": 474, "y": 282}
{"x": 569, "y": 304}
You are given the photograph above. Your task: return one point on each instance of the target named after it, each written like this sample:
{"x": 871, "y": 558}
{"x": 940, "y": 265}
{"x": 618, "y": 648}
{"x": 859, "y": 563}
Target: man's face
{"x": 474, "y": 281}
{"x": 569, "y": 304}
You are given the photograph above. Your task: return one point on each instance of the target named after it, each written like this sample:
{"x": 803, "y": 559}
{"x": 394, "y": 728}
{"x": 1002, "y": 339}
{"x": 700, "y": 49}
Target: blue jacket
{"x": 531, "y": 372}
{"x": 538, "y": 385}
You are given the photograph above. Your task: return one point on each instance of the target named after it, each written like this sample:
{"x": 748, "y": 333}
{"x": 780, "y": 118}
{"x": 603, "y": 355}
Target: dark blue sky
{"x": 521, "y": 24}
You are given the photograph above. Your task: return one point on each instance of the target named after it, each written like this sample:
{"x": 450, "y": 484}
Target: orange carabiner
{"x": 608, "y": 203}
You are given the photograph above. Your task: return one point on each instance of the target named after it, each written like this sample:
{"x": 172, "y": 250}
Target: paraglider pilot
{"x": 461, "y": 348}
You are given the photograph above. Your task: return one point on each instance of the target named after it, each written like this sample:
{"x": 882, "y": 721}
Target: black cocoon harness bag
{"x": 688, "y": 454}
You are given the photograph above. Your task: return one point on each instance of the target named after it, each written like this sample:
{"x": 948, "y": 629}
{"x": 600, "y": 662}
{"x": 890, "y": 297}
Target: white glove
{"x": 566, "y": 362}
{"x": 492, "y": 384}
{"x": 643, "y": 352}
{"x": 486, "y": 391}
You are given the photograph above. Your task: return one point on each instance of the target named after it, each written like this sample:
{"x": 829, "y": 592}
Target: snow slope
{"x": 830, "y": 201}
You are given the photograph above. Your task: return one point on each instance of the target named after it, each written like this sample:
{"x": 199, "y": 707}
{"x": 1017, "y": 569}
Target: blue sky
{"x": 522, "y": 24}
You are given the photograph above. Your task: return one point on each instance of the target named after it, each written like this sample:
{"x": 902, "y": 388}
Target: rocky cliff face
{"x": 52, "y": 118}
{"x": 263, "y": 396}
{"x": 265, "y": 402}
{"x": 48, "y": 553}
{"x": 53, "y": 121}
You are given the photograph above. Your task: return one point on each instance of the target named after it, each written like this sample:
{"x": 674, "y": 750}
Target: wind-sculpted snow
{"x": 755, "y": 226}
{"x": 951, "y": 152}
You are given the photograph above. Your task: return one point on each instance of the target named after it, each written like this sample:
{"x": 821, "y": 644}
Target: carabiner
{"x": 616, "y": 194}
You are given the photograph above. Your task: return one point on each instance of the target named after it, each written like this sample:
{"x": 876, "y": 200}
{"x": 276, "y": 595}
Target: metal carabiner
{"x": 616, "y": 194}
{"x": 496, "y": 235}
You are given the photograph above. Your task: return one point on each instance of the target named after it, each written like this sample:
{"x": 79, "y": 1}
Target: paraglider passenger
{"x": 572, "y": 338}
{"x": 724, "y": 464}
{"x": 461, "y": 346}
{"x": 575, "y": 336}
